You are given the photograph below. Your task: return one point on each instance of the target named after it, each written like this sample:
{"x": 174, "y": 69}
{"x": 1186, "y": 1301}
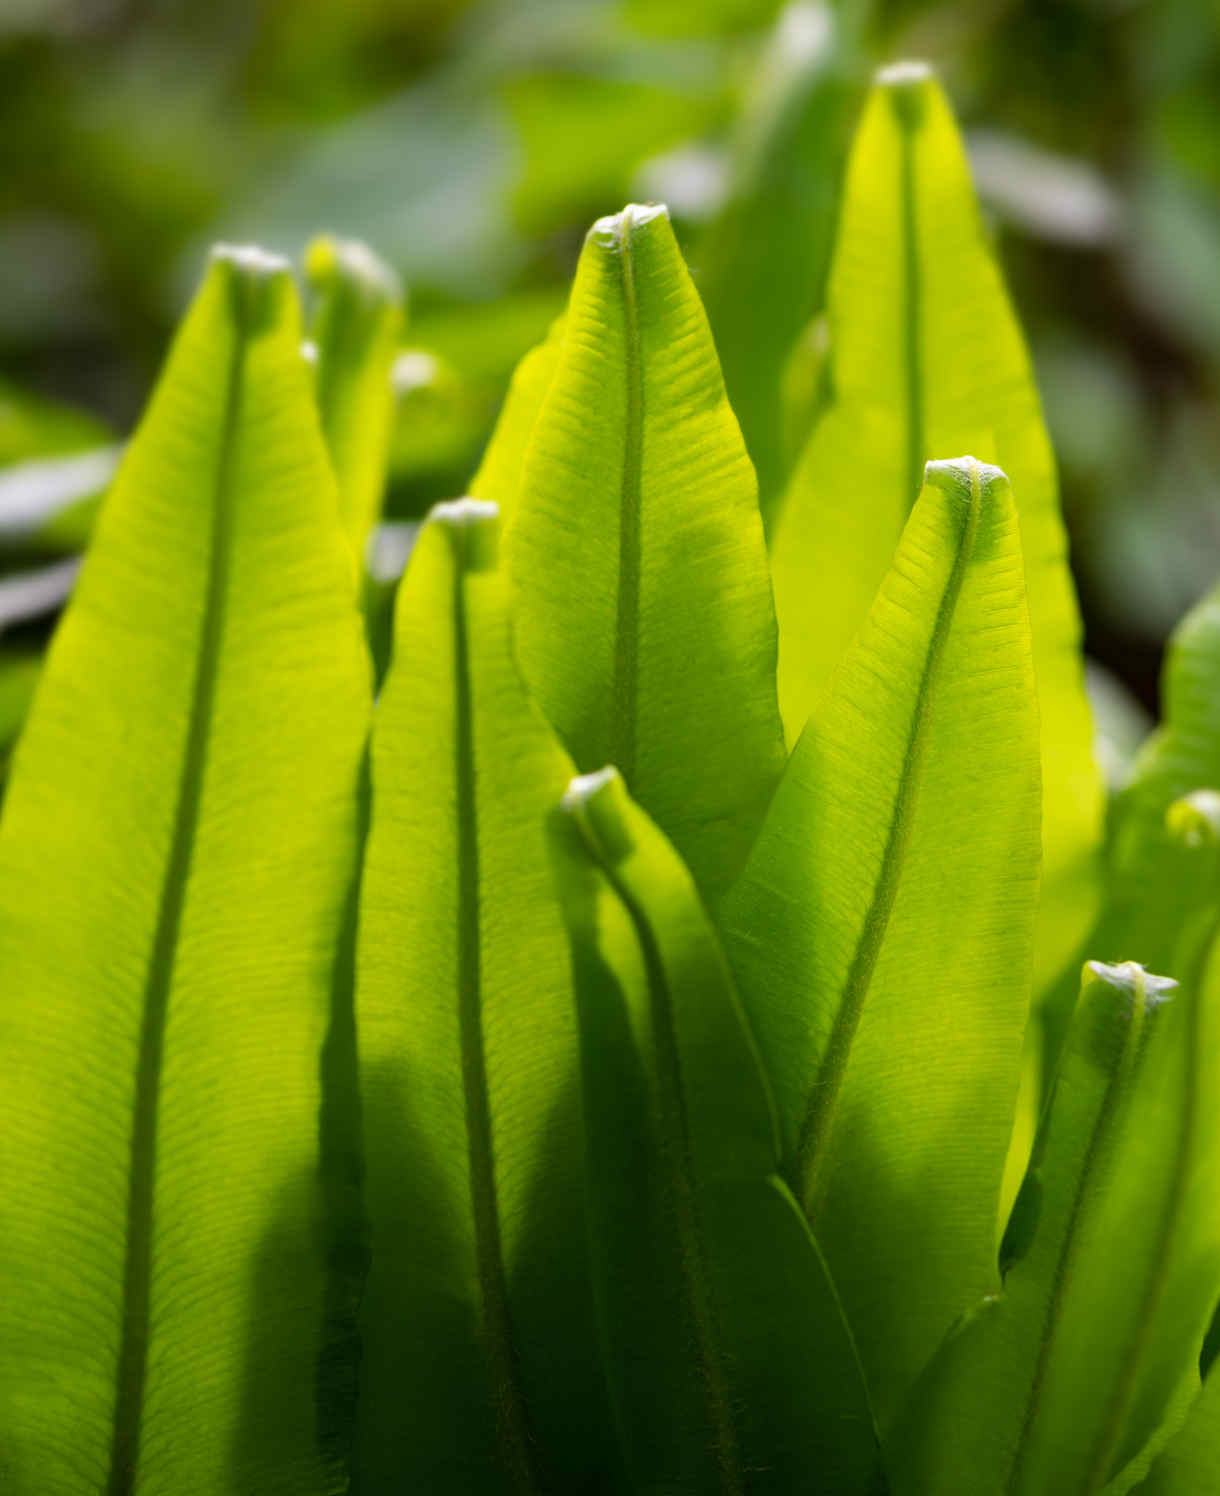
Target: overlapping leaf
{"x": 1056, "y": 1384}
{"x": 643, "y": 611}
{"x": 480, "y": 1369}
{"x": 926, "y": 358}
{"x": 177, "y": 849}
{"x": 730, "y": 1363}
{"x": 881, "y": 933}
{"x": 356, "y": 320}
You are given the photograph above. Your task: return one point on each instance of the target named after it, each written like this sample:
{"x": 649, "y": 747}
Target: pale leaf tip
{"x": 1194, "y": 820}
{"x": 598, "y": 803}
{"x": 966, "y": 477}
{"x": 1130, "y": 979}
{"x": 330, "y": 259}
{"x": 907, "y": 85}
{"x": 611, "y": 232}
{"x": 473, "y": 527}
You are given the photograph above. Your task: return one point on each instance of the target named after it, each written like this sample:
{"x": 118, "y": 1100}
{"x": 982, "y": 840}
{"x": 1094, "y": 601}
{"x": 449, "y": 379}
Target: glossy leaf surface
{"x": 881, "y": 933}
{"x": 731, "y": 1365}
{"x": 926, "y": 358}
{"x": 178, "y": 844}
{"x": 643, "y": 609}
{"x": 468, "y": 1058}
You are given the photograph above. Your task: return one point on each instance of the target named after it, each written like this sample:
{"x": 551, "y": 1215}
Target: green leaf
{"x": 499, "y": 476}
{"x": 19, "y": 672}
{"x": 1053, "y": 1386}
{"x": 763, "y": 256}
{"x": 730, "y": 1361}
{"x": 925, "y": 358}
{"x": 355, "y": 325}
{"x": 645, "y": 626}
{"x": 179, "y": 840}
{"x": 1182, "y": 754}
{"x": 881, "y": 933}
{"x": 1188, "y": 1464}
{"x": 479, "y": 1350}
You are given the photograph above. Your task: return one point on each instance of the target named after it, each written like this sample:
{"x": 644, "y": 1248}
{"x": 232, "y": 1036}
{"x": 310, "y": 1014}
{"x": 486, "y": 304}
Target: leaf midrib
{"x": 717, "y": 1394}
{"x": 627, "y": 612}
{"x": 137, "y": 1267}
{"x": 1095, "y": 1155}
{"x": 827, "y": 1087}
{"x": 513, "y": 1431}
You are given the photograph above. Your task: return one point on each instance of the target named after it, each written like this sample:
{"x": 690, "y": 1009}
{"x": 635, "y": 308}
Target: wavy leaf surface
{"x": 730, "y": 1361}
{"x": 179, "y": 840}
{"x": 643, "y": 610}
{"x": 881, "y": 933}
{"x": 926, "y": 358}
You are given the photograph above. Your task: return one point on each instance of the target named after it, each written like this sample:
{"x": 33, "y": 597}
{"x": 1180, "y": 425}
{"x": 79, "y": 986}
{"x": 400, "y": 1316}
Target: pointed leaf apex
{"x": 908, "y": 84}
{"x": 1194, "y": 820}
{"x": 258, "y": 283}
{"x": 598, "y": 803}
{"x": 473, "y": 527}
{"x": 966, "y": 478}
{"x": 329, "y": 259}
{"x": 612, "y": 230}
{"x": 1131, "y": 980}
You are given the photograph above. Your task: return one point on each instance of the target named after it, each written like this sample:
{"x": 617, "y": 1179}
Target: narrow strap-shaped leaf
{"x": 926, "y": 358}
{"x": 178, "y": 844}
{"x": 468, "y": 1053}
{"x": 355, "y": 325}
{"x": 881, "y": 932}
{"x": 1051, "y": 1387}
{"x": 730, "y": 1361}
{"x": 764, "y": 254}
{"x": 500, "y": 472}
{"x": 643, "y": 608}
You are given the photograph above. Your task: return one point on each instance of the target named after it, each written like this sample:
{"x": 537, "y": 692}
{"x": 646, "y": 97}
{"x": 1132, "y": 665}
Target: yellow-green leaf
{"x": 881, "y": 933}
{"x": 643, "y": 611}
{"x": 178, "y": 845}
{"x": 480, "y": 1368}
{"x": 926, "y": 358}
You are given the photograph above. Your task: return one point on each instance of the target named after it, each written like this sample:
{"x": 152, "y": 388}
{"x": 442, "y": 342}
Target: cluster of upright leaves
{"x": 568, "y": 1087}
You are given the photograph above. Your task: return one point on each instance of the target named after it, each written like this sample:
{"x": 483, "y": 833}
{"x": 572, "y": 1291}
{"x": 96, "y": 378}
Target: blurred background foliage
{"x": 470, "y": 142}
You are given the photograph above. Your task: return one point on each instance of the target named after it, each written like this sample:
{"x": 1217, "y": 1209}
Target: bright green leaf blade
{"x": 178, "y": 843}
{"x": 730, "y": 1361}
{"x": 468, "y": 1058}
{"x": 763, "y": 256}
{"x": 925, "y": 358}
{"x": 1054, "y": 1385}
{"x": 355, "y": 325}
{"x": 499, "y": 476}
{"x": 643, "y": 609}
{"x": 881, "y": 933}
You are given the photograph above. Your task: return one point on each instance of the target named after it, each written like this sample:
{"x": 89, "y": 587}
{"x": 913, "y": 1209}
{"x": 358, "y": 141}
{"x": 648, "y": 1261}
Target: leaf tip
{"x": 256, "y": 281}
{"x": 966, "y": 478}
{"x": 617, "y": 229}
{"x": 598, "y": 802}
{"x": 330, "y": 260}
{"x": 473, "y": 528}
{"x": 1194, "y": 820}
{"x": 908, "y": 85}
{"x": 1131, "y": 980}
